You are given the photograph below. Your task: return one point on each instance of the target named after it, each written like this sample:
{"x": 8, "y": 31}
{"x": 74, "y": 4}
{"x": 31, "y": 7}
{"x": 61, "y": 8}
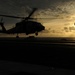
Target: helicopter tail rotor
{"x": 2, "y": 25}
{"x": 2, "y": 19}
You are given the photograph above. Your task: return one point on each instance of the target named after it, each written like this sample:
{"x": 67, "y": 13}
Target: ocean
{"x": 37, "y": 55}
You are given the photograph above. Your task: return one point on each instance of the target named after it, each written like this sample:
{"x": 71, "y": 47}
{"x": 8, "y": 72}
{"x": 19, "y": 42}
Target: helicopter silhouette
{"x": 26, "y": 26}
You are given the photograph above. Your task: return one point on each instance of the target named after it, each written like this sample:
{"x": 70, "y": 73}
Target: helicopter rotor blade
{"x": 17, "y": 17}
{"x": 27, "y": 18}
{"x": 34, "y": 9}
{"x": 12, "y": 16}
{"x": 23, "y": 17}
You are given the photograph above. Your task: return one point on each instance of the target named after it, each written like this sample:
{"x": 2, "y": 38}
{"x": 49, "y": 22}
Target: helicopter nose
{"x": 43, "y": 28}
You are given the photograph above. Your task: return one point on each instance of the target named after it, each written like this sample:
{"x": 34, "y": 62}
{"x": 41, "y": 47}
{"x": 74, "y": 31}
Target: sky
{"x": 58, "y": 16}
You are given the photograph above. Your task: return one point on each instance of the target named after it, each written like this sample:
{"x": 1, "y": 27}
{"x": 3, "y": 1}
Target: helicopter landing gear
{"x": 36, "y": 33}
{"x": 17, "y": 36}
{"x": 26, "y": 33}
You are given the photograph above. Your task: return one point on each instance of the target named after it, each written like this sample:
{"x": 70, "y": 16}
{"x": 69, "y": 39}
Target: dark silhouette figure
{"x": 27, "y": 25}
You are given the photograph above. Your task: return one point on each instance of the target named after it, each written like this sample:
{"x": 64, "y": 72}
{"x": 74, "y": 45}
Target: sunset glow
{"x": 58, "y": 17}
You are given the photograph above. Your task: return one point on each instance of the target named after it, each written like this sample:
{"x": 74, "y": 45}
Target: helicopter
{"x": 26, "y": 25}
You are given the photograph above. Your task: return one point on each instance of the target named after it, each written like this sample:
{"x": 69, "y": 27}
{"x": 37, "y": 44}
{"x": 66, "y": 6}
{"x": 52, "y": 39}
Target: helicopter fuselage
{"x": 27, "y": 27}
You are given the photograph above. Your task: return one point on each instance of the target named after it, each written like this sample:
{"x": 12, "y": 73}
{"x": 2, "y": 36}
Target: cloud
{"x": 46, "y": 8}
